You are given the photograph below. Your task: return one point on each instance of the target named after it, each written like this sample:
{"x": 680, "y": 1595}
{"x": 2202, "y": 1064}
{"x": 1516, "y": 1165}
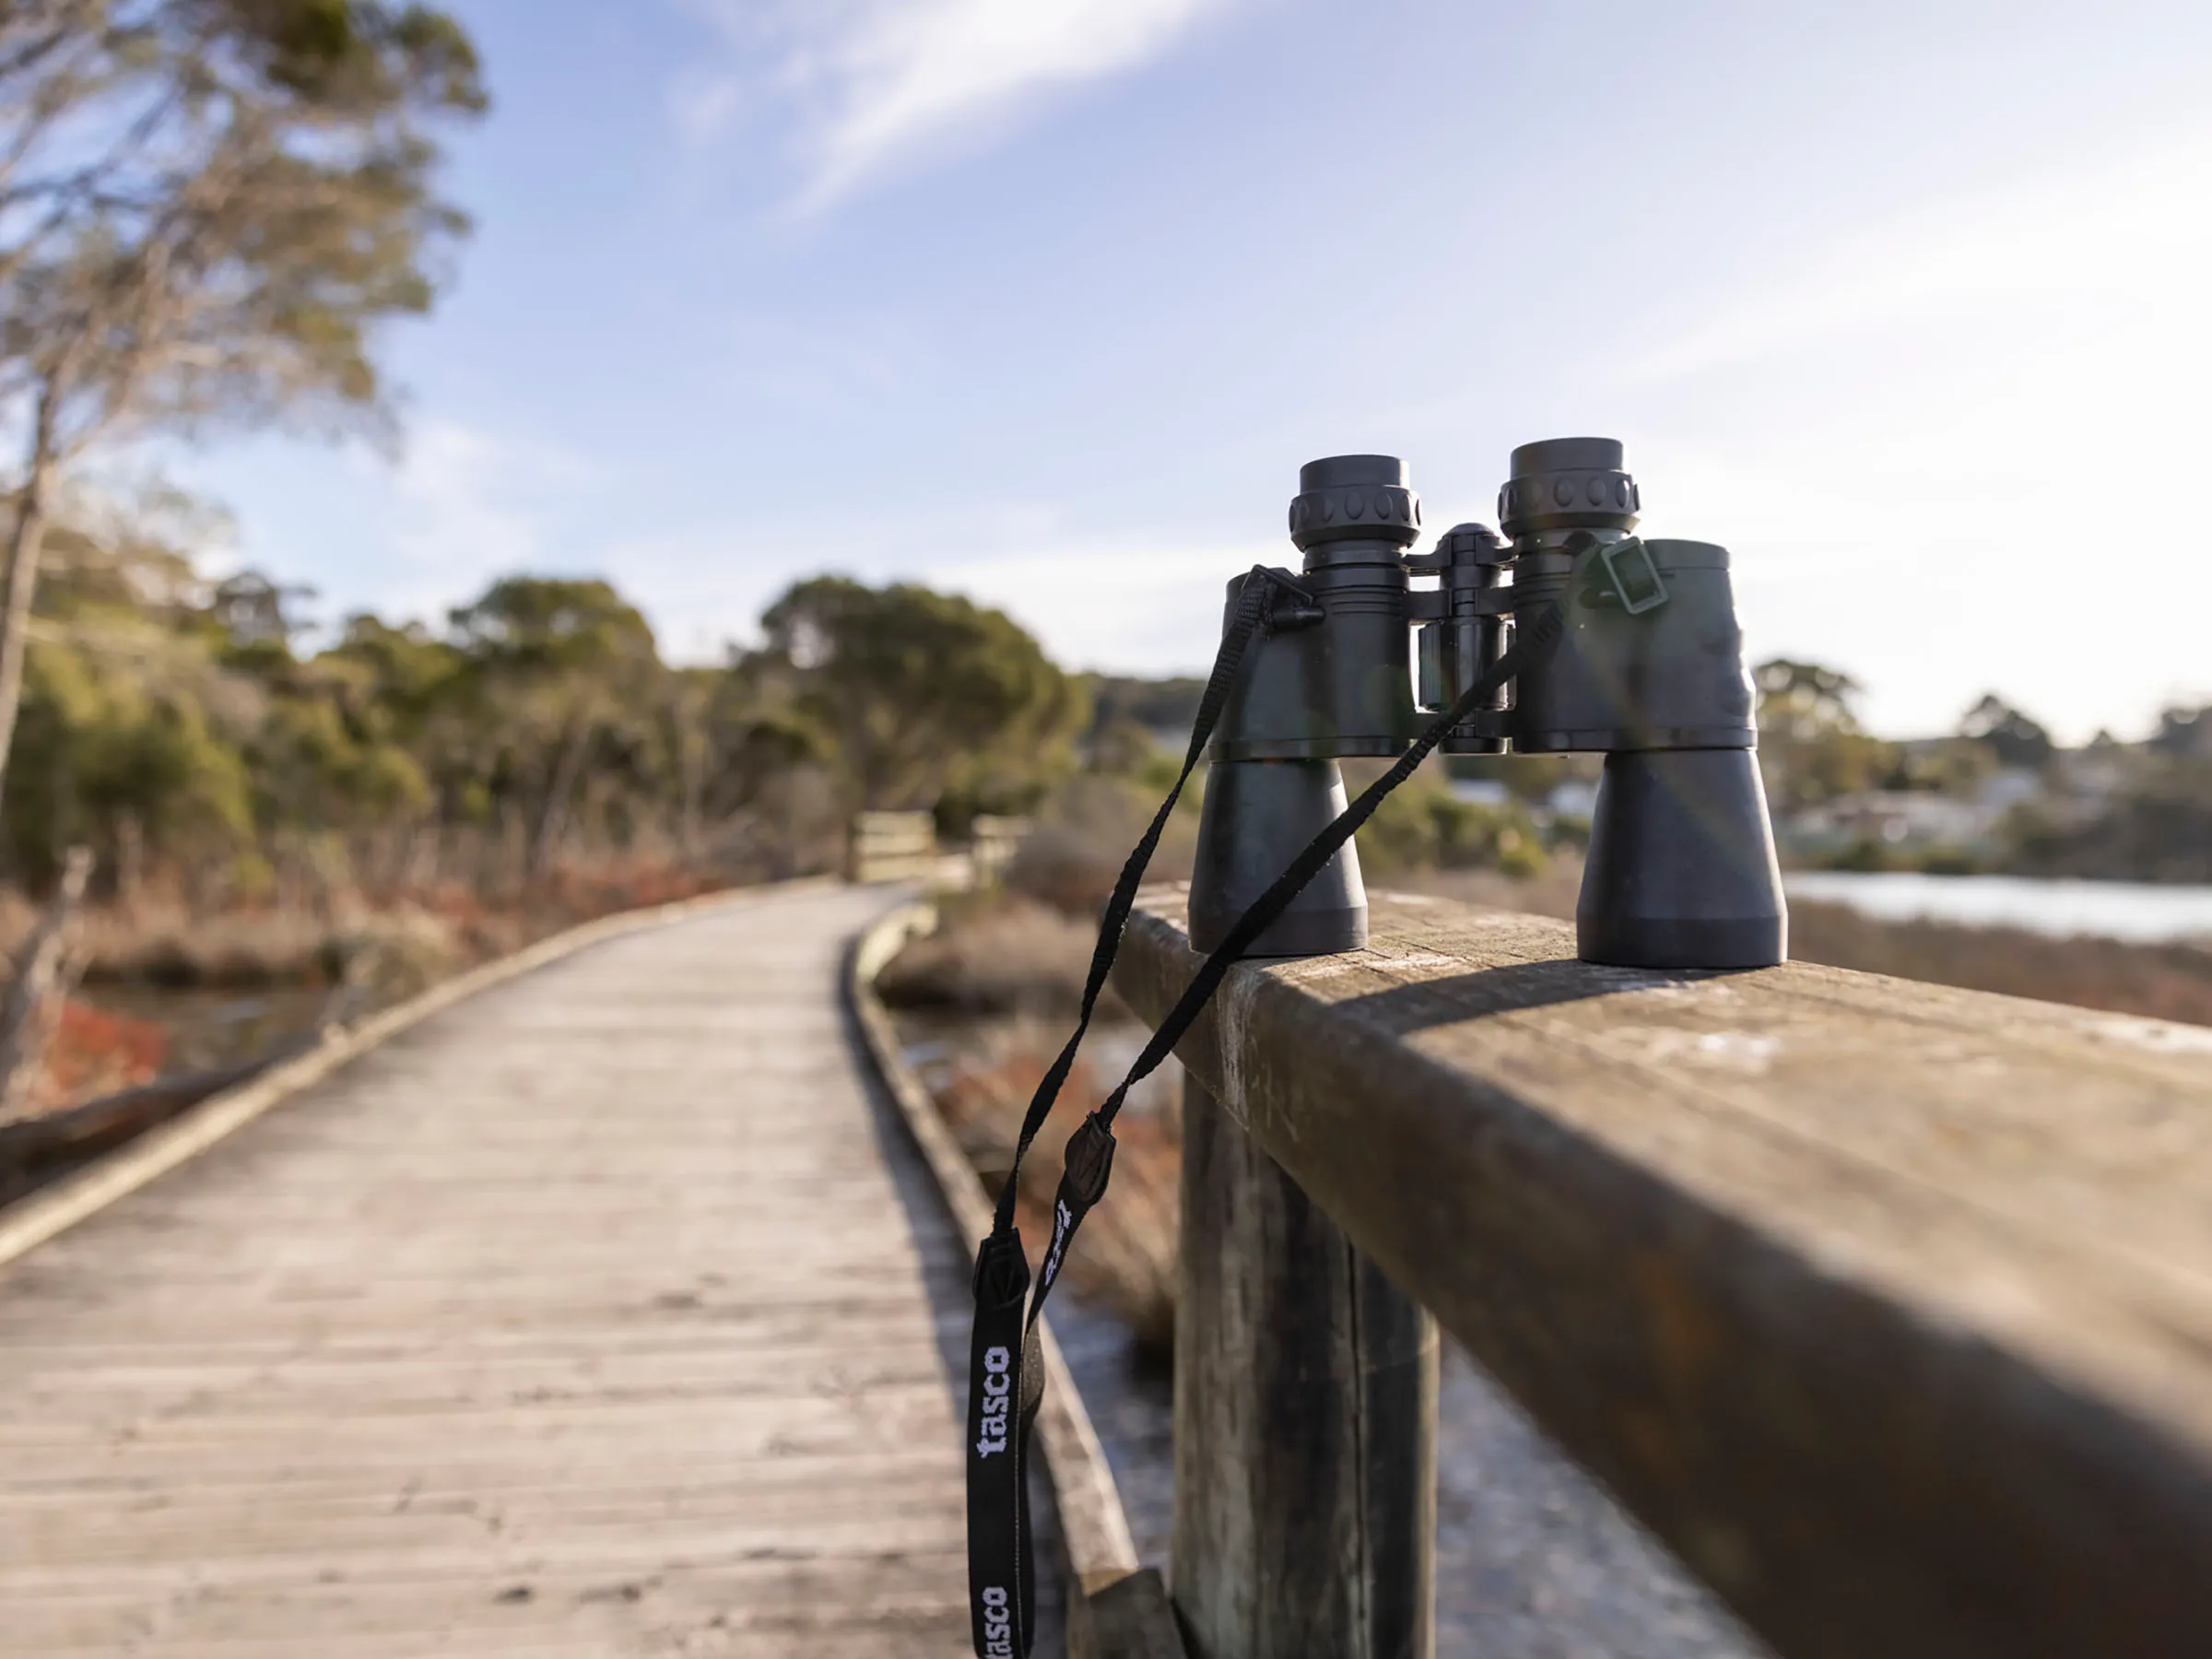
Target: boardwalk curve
{"x": 581, "y": 1319}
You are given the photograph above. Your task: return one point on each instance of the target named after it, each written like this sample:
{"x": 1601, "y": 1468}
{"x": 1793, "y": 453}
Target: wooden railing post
{"x": 1305, "y": 1422}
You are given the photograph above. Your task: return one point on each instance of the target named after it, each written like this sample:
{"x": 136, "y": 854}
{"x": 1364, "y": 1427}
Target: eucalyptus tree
{"x": 921, "y": 698}
{"x": 207, "y": 206}
{"x": 1811, "y": 745}
{"x": 558, "y": 664}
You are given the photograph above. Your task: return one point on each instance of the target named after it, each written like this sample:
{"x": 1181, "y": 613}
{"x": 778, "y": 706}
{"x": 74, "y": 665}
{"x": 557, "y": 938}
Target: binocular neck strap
{"x": 1004, "y": 1381}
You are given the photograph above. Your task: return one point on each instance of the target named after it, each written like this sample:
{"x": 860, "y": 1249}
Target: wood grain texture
{"x": 1305, "y": 1422}
{"x": 579, "y": 1320}
{"x": 29, "y": 1222}
{"x": 1887, "y": 1305}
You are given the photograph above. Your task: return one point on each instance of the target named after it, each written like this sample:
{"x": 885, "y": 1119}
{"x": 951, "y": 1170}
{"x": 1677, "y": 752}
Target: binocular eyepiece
{"x": 1648, "y": 670}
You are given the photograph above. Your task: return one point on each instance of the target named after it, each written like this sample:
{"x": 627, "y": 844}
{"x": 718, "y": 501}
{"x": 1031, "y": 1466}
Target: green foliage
{"x": 536, "y": 625}
{"x": 1423, "y": 826}
{"x": 177, "y": 723}
{"x": 1952, "y": 766}
{"x": 1531, "y": 778}
{"x": 1811, "y": 747}
{"x": 2157, "y": 827}
{"x": 97, "y": 748}
{"x": 207, "y": 207}
{"x": 918, "y": 696}
{"x": 1166, "y": 707}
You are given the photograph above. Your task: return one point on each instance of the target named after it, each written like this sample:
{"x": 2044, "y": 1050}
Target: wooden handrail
{"x": 1887, "y": 1306}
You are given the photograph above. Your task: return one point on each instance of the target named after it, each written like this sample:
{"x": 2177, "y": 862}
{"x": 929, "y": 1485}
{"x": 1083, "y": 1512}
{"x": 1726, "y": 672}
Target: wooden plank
{"x": 583, "y": 1319}
{"x": 31, "y": 1222}
{"x": 1889, "y": 1306}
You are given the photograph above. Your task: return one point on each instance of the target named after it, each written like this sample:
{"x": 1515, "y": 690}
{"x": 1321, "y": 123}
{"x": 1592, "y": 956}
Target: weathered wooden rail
{"x": 1887, "y": 1306}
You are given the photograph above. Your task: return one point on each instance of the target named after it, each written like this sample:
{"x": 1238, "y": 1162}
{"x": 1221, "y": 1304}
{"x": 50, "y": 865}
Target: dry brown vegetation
{"x": 981, "y": 1074}
{"x": 984, "y": 1006}
{"x": 1002, "y": 953}
{"x": 2161, "y": 982}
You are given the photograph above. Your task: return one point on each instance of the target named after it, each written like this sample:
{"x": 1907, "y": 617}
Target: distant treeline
{"x": 183, "y": 728}
{"x": 2106, "y": 811}
{"x": 194, "y": 734}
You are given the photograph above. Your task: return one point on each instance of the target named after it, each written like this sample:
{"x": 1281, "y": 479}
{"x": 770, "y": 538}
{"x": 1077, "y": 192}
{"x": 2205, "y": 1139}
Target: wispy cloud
{"x": 873, "y": 83}
{"x": 2111, "y": 239}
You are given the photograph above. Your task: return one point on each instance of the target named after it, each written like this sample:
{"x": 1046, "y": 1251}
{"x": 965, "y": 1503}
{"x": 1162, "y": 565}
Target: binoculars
{"x": 1648, "y": 670}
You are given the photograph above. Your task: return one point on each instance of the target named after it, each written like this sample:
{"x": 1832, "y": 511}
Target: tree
{"x": 1804, "y": 701}
{"x": 2184, "y": 732}
{"x": 1811, "y": 745}
{"x": 125, "y": 742}
{"x": 1423, "y": 826}
{"x": 562, "y": 659}
{"x": 2012, "y": 736}
{"x": 917, "y": 694}
{"x": 206, "y": 208}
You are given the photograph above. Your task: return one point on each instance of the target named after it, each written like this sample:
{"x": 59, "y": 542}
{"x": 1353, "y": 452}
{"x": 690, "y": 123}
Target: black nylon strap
{"x": 1001, "y": 1577}
{"x": 1004, "y": 1380}
{"x": 1539, "y": 632}
{"x": 1003, "y": 1390}
{"x": 1254, "y": 612}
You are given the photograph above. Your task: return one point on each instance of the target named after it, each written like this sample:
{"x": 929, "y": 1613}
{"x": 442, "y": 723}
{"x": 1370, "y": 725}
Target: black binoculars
{"x": 1647, "y": 669}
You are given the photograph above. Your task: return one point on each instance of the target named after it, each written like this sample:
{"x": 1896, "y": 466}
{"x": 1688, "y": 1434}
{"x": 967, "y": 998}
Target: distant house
{"x": 2008, "y": 788}
{"x": 1572, "y": 800}
{"x": 1900, "y": 819}
{"x": 2098, "y": 770}
{"x": 1482, "y": 792}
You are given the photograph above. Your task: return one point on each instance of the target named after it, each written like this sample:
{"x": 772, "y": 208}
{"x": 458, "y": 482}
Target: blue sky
{"x": 1046, "y": 300}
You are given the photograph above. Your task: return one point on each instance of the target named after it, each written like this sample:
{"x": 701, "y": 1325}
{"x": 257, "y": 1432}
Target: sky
{"x": 1046, "y": 300}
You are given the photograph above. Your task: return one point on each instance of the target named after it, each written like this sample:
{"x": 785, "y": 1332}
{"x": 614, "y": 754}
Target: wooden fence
{"x": 1887, "y": 1306}
{"x": 891, "y": 846}
{"x": 902, "y": 846}
{"x": 993, "y": 843}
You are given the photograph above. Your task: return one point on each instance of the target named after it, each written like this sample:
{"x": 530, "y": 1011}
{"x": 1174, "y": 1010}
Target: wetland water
{"x": 2140, "y": 912}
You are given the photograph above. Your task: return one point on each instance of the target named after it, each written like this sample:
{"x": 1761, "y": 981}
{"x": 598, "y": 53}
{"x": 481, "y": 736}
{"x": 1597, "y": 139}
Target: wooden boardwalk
{"x": 581, "y": 1319}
